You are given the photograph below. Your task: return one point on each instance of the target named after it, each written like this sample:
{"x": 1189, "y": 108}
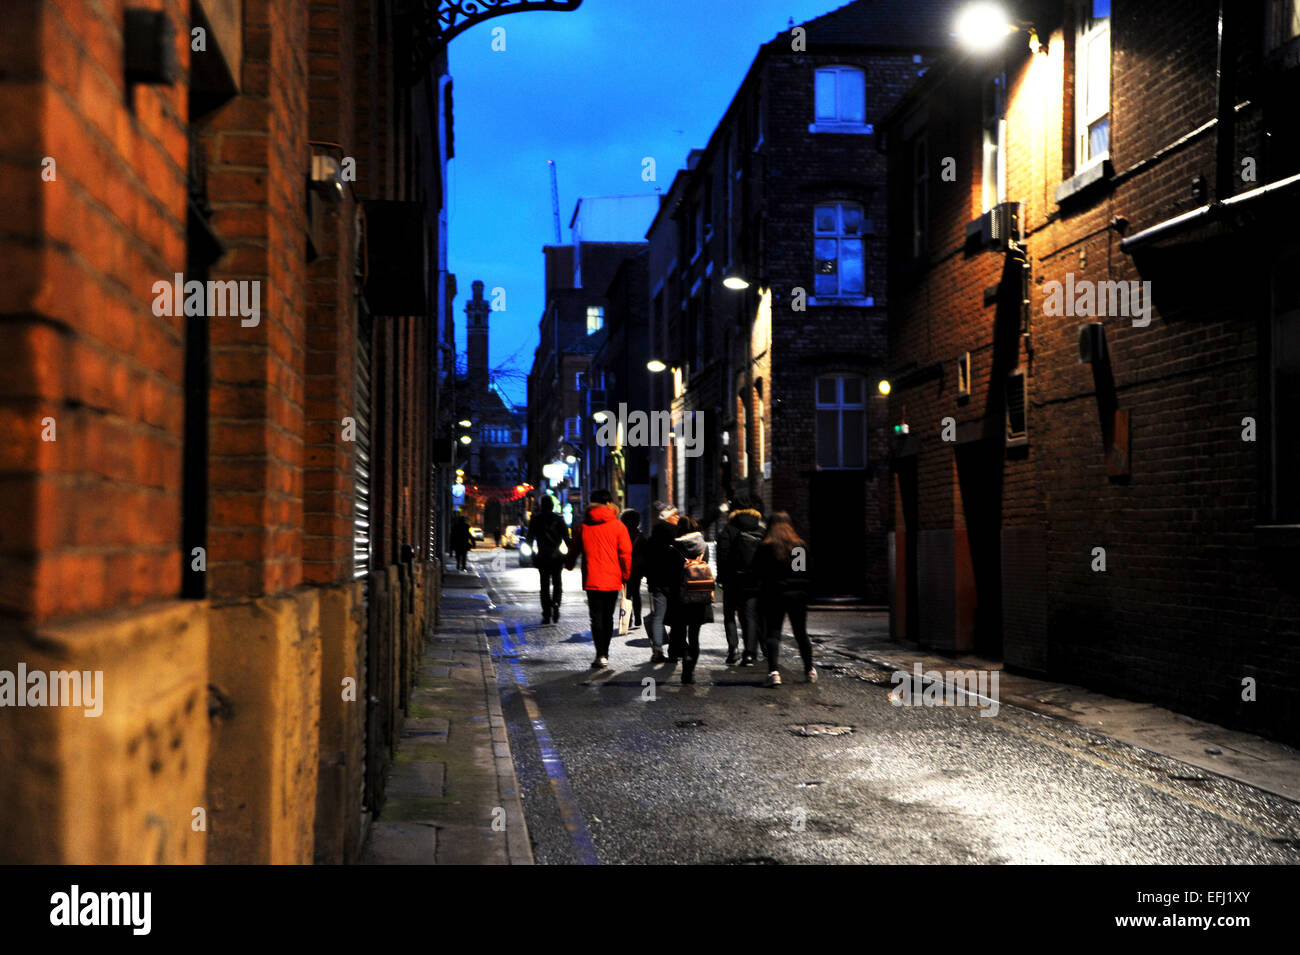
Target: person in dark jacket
{"x": 685, "y": 619}
{"x": 781, "y": 567}
{"x": 549, "y": 539}
{"x": 659, "y": 566}
{"x": 601, "y": 541}
{"x": 632, "y": 521}
{"x": 461, "y": 540}
{"x": 737, "y": 544}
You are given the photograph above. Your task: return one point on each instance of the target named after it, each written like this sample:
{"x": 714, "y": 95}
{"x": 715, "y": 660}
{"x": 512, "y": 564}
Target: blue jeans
{"x": 654, "y": 623}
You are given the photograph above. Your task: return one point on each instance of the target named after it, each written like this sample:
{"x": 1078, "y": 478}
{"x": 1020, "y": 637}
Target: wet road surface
{"x": 615, "y": 770}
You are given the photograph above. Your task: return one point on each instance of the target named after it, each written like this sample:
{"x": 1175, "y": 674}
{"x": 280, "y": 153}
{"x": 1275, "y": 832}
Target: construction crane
{"x": 555, "y": 202}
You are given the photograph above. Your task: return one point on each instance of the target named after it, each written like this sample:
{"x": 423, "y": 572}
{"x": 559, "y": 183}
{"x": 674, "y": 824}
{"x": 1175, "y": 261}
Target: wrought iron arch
{"x": 436, "y": 22}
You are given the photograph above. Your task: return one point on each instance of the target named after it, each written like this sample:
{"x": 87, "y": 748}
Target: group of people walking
{"x": 762, "y": 570}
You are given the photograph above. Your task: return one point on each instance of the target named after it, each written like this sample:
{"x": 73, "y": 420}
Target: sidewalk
{"x": 452, "y": 796}
{"x": 1274, "y": 767}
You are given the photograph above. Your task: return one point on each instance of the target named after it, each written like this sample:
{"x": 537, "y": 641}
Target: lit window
{"x": 595, "y": 318}
{"x": 841, "y": 422}
{"x": 838, "y": 249}
{"x": 1283, "y": 22}
{"x": 572, "y": 429}
{"x": 993, "y": 173}
{"x": 841, "y": 95}
{"x": 1092, "y": 84}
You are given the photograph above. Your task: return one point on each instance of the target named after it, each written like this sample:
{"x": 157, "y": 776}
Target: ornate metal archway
{"x": 435, "y": 23}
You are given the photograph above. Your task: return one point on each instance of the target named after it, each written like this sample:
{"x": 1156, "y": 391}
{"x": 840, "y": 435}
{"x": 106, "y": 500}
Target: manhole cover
{"x": 820, "y": 729}
{"x": 687, "y": 724}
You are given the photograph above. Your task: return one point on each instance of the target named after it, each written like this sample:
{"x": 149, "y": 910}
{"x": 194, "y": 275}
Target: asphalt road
{"x": 613, "y": 770}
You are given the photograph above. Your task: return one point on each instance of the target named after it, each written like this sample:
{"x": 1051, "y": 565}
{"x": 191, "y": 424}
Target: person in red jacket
{"x": 606, "y": 550}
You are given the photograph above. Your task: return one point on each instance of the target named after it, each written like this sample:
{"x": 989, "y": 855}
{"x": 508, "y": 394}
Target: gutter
{"x": 1213, "y": 212}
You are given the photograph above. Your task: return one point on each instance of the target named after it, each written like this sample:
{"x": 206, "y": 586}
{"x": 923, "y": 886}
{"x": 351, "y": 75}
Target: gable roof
{"x": 920, "y": 24}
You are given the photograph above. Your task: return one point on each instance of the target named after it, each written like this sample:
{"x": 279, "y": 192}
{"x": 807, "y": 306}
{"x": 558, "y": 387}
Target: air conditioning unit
{"x": 1003, "y": 225}
{"x": 1017, "y": 410}
{"x": 1092, "y": 343}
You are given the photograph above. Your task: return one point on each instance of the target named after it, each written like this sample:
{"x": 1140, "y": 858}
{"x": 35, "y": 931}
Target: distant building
{"x": 572, "y": 331}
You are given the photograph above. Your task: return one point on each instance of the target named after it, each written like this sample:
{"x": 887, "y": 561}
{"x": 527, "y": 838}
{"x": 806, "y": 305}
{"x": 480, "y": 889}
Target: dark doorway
{"x": 979, "y": 475}
{"x": 837, "y": 535}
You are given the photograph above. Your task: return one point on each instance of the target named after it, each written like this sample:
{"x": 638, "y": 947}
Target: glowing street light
{"x": 884, "y": 387}
{"x": 655, "y": 365}
{"x": 465, "y": 439}
{"x": 737, "y": 282}
{"x": 982, "y": 26}
{"x": 465, "y": 423}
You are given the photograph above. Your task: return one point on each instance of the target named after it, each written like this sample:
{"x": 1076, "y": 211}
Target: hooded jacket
{"x": 606, "y": 550}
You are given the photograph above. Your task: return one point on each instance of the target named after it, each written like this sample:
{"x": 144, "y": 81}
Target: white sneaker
{"x": 812, "y": 674}
{"x": 604, "y": 663}
{"x": 773, "y": 678}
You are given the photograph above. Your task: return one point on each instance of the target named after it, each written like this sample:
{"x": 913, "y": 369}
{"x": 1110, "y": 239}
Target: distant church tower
{"x": 476, "y": 326}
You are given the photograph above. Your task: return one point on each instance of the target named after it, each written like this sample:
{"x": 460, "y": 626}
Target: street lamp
{"x": 465, "y": 423}
{"x": 884, "y": 387}
{"x": 655, "y": 365}
{"x": 736, "y": 282}
{"x": 981, "y": 27}
{"x": 465, "y": 439}
{"x": 600, "y": 416}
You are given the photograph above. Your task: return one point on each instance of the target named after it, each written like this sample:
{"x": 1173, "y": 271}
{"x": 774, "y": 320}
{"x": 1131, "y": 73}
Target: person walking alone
{"x": 632, "y": 521}
{"x": 781, "y": 567}
{"x": 601, "y": 541}
{"x": 660, "y": 568}
{"x": 737, "y": 544}
{"x": 689, "y": 610}
{"x": 461, "y": 540}
{"x": 549, "y": 539}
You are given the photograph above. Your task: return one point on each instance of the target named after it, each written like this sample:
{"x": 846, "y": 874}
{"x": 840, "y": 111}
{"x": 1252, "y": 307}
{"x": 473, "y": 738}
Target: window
{"x": 993, "y": 175}
{"x": 838, "y": 250}
{"x": 841, "y": 422}
{"x": 841, "y": 99}
{"x": 920, "y": 195}
{"x": 1283, "y": 22}
{"x": 1092, "y": 84}
{"x": 595, "y": 318}
{"x": 742, "y": 443}
{"x": 760, "y": 443}
{"x": 577, "y": 381}
{"x": 573, "y": 428}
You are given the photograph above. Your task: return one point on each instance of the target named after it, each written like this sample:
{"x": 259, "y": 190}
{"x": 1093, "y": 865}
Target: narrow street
{"x": 717, "y": 773}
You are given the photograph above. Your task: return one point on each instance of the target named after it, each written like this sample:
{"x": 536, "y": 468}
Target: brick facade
{"x": 994, "y": 544}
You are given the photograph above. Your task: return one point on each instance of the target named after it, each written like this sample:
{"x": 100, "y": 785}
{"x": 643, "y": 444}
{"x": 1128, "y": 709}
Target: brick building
{"x": 226, "y": 510}
{"x": 571, "y": 331}
{"x": 1096, "y": 479}
{"x": 788, "y": 196}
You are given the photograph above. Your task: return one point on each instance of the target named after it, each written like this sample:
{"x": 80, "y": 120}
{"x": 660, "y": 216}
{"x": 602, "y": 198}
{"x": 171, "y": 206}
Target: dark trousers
{"x": 460, "y": 558}
{"x": 738, "y": 603}
{"x": 600, "y": 606}
{"x": 775, "y": 609}
{"x": 634, "y": 595}
{"x": 690, "y": 646}
{"x": 550, "y": 571}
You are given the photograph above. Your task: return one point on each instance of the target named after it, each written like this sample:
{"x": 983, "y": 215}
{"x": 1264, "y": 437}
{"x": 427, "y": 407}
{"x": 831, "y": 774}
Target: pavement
{"x": 1271, "y": 766}
{"x": 454, "y": 796}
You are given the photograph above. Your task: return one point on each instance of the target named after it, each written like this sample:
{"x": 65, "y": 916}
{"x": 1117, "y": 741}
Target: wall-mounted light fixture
{"x": 656, "y": 366}
{"x": 884, "y": 387}
{"x": 736, "y": 281}
{"x": 327, "y": 176}
{"x": 982, "y": 27}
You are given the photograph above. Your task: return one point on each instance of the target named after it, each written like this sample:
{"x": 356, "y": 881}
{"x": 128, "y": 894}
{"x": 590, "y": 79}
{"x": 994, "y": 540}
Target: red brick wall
{"x": 92, "y": 519}
{"x": 257, "y": 165}
{"x": 1190, "y": 602}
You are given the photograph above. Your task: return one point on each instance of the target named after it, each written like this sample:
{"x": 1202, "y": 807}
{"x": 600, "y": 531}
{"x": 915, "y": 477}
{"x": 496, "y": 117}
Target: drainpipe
{"x": 1226, "y": 92}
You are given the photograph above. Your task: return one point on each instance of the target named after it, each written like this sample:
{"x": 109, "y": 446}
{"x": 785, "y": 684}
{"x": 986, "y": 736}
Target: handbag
{"x": 624, "y": 612}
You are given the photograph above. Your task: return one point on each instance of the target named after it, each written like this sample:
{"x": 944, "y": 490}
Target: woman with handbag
{"x": 690, "y": 605}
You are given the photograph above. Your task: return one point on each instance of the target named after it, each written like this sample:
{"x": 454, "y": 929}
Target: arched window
{"x": 841, "y": 422}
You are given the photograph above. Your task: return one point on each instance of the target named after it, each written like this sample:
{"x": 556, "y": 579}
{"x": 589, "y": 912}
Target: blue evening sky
{"x": 596, "y": 90}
